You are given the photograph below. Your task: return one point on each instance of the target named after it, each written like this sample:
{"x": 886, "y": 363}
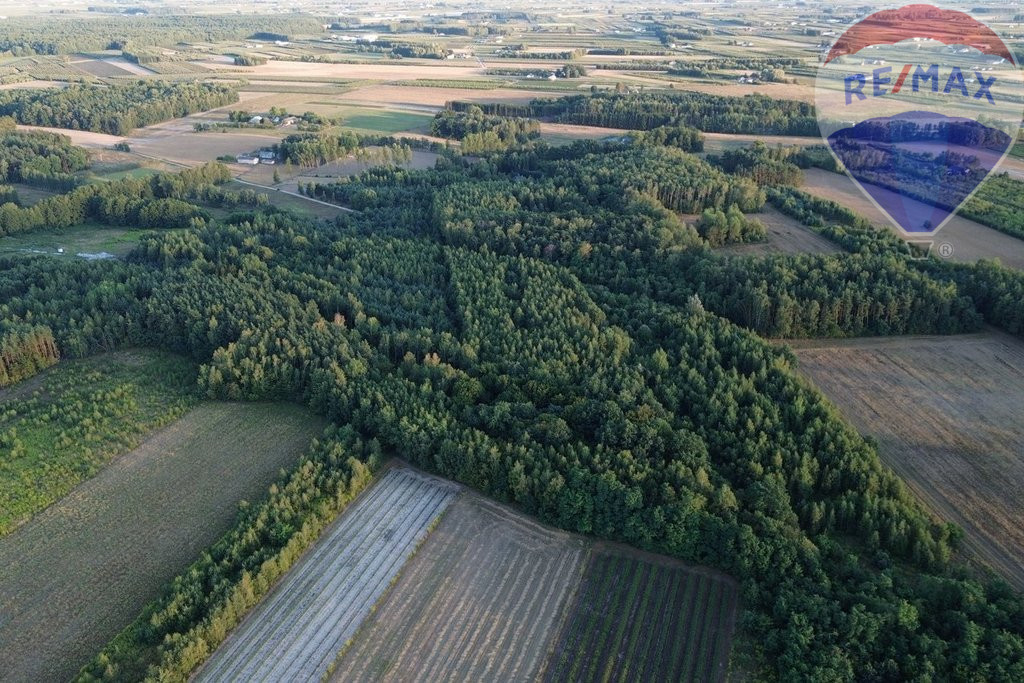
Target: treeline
{"x": 751, "y": 114}
{"x": 719, "y": 228}
{"x": 522, "y": 52}
{"x": 116, "y": 110}
{"x": 25, "y": 349}
{"x": 845, "y": 227}
{"x": 763, "y": 164}
{"x": 398, "y": 49}
{"x": 482, "y": 133}
{"x": 264, "y": 544}
{"x": 159, "y": 201}
{"x": 995, "y": 291}
{"x": 805, "y": 296}
{"x": 707, "y": 67}
{"x": 249, "y": 60}
{"x": 315, "y": 149}
{"x": 39, "y": 158}
{"x": 55, "y": 34}
{"x": 679, "y": 136}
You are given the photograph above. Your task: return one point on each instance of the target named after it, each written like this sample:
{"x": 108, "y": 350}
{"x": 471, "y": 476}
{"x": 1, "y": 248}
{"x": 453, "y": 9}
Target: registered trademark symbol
{"x": 945, "y": 250}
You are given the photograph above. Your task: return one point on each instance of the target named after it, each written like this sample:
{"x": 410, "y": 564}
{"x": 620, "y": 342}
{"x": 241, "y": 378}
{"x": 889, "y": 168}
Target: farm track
{"x": 297, "y": 631}
{"x": 479, "y": 602}
{"x": 947, "y": 414}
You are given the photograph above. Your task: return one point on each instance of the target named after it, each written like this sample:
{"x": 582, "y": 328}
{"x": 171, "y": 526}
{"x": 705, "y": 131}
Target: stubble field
{"x": 297, "y": 631}
{"x": 480, "y": 601}
{"x": 947, "y": 414}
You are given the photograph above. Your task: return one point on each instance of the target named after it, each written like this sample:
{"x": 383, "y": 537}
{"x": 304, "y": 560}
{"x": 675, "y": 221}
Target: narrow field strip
{"x": 295, "y": 634}
{"x": 480, "y": 602}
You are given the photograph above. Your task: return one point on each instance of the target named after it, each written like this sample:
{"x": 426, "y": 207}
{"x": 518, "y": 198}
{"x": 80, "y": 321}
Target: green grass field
{"x": 61, "y": 427}
{"x": 82, "y": 239}
{"x": 383, "y": 121}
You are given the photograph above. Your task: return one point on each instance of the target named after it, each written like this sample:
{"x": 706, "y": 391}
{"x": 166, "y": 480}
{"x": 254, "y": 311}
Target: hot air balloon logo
{"x": 920, "y": 104}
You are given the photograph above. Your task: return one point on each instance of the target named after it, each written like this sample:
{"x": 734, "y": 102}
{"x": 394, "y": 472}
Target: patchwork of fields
{"x": 946, "y": 412}
{"x": 297, "y": 631}
{"x": 480, "y": 601}
{"x": 493, "y": 595}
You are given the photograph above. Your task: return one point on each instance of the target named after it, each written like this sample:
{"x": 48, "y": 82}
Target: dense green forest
{"x": 54, "y": 34}
{"x": 543, "y": 326}
{"x": 482, "y": 133}
{"x": 37, "y": 158}
{"x": 116, "y": 110}
{"x": 163, "y": 200}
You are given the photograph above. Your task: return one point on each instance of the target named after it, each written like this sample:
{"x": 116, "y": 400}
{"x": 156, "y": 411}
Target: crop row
{"x": 297, "y": 632}
{"x": 637, "y": 620}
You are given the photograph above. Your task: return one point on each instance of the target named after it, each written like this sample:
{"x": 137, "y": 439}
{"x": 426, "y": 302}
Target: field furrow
{"x": 644, "y": 618}
{"x": 481, "y": 601}
{"x": 295, "y": 634}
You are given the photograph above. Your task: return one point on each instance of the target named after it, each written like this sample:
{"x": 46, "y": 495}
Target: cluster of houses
{"x": 264, "y": 156}
{"x": 282, "y": 121}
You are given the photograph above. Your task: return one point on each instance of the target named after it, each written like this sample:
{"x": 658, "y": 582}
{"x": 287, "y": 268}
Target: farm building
{"x": 247, "y": 159}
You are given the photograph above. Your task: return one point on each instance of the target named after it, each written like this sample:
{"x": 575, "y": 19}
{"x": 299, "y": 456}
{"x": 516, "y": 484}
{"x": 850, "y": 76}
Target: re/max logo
{"x": 923, "y": 77}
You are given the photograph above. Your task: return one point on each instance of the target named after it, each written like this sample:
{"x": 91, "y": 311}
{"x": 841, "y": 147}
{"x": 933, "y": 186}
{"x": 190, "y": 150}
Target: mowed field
{"x": 785, "y": 235}
{"x": 971, "y": 241}
{"x": 948, "y": 415}
{"x": 645, "y": 618}
{"x": 80, "y": 571}
{"x": 298, "y": 630}
{"x": 481, "y": 601}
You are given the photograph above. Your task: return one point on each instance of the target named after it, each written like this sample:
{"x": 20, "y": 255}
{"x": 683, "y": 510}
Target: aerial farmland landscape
{"x": 445, "y": 341}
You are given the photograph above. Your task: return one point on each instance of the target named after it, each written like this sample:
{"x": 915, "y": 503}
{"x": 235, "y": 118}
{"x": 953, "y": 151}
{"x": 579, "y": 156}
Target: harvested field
{"x": 971, "y": 241}
{"x": 344, "y": 168}
{"x": 298, "y": 630}
{"x": 78, "y": 573}
{"x": 82, "y": 138}
{"x": 645, "y": 618}
{"x": 947, "y": 413}
{"x": 198, "y": 148}
{"x": 435, "y": 97}
{"x": 32, "y": 85}
{"x": 785, "y": 236}
{"x": 378, "y": 71}
{"x": 481, "y": 601}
